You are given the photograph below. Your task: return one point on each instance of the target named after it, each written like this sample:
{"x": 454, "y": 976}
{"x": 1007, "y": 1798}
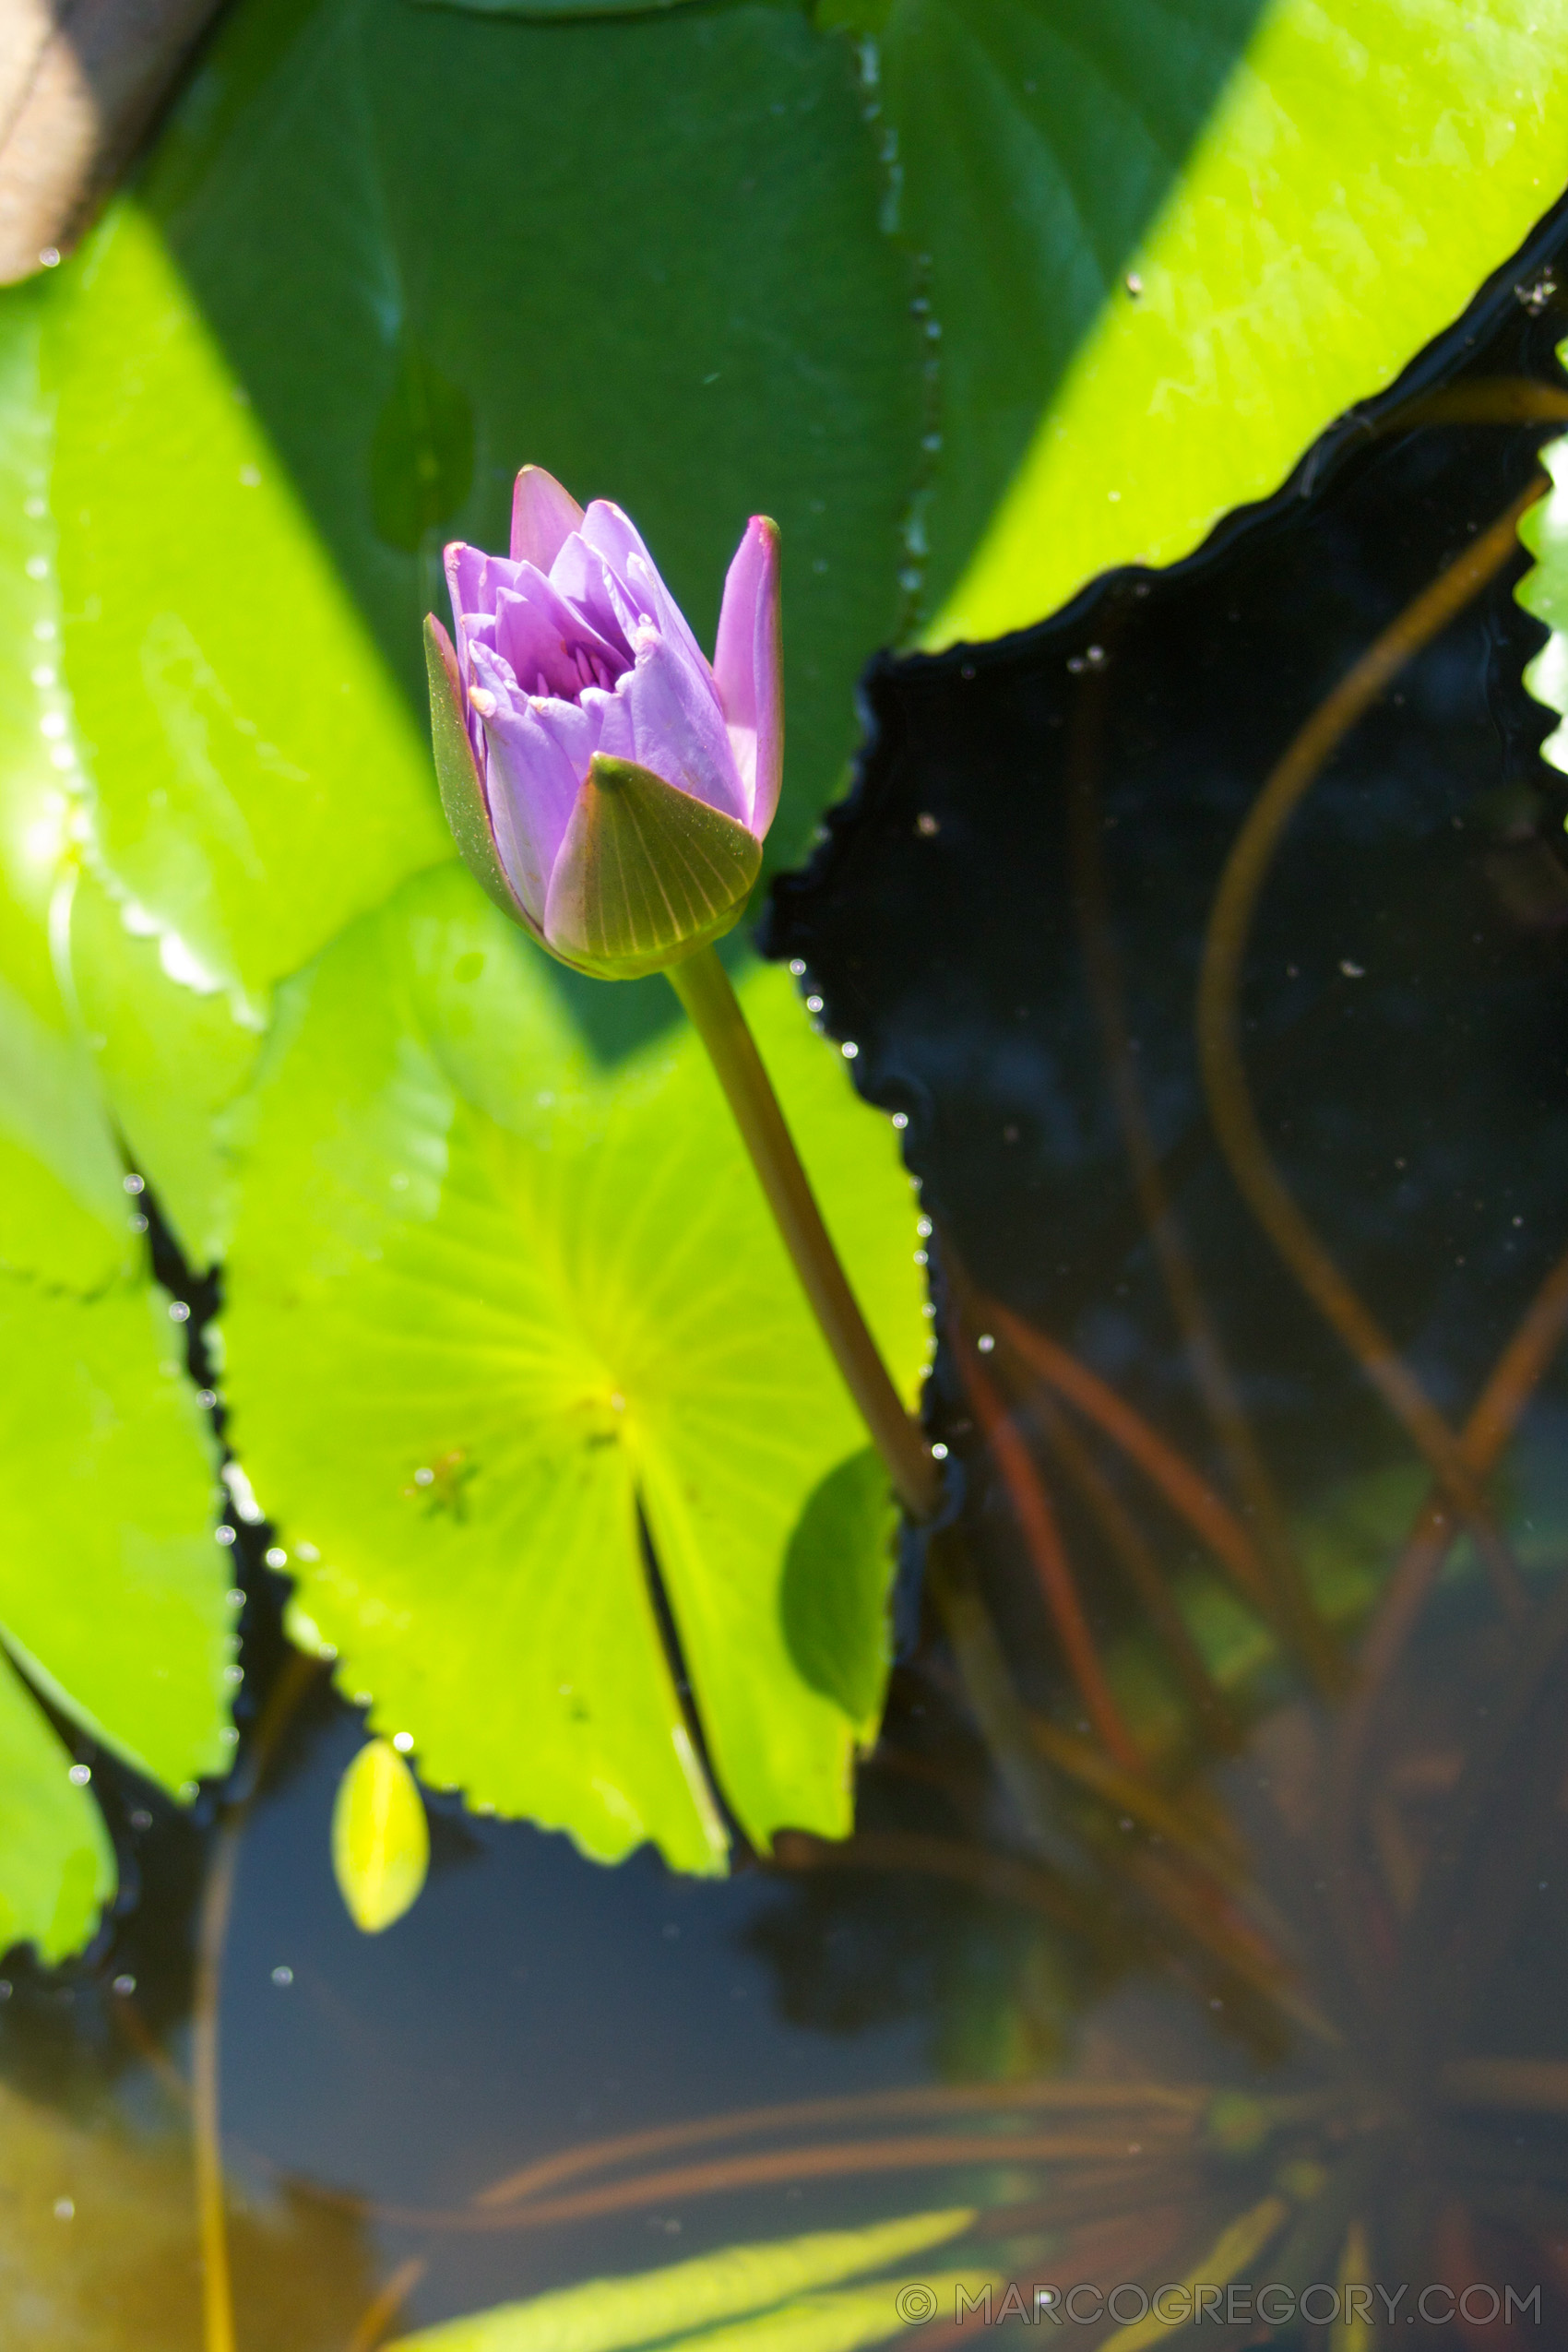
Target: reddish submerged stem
{"x": 1038, "y": 1523}
{"x": 1218, "y": 1022}
{"x": 1186, "y": 1490}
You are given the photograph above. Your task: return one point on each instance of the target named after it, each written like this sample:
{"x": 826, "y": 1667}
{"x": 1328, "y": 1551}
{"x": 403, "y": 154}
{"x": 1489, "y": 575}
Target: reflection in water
{"x": 1237, "y": 1953}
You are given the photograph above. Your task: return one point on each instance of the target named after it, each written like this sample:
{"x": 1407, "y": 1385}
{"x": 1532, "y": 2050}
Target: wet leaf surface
{"x": 489, "y": 1310}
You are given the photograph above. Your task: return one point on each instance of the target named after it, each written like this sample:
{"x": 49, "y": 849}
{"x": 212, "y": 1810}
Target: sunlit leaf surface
{"x": 56, "y": 1863}
{"x": 612, "y": 2314}
{"x": 111, "y": 1583}
{"x": 63, "y": 1213}
{"x": 487, "y": 1307}
{"x": 1166, "y": 244}
{"x": 113, "y": 1591}
{"x": 251, "y": 783}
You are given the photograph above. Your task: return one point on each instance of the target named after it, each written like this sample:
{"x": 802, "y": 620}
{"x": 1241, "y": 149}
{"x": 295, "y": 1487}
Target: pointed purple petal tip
{"x": 748, "y": 668}
{"x": 544, "y": 516}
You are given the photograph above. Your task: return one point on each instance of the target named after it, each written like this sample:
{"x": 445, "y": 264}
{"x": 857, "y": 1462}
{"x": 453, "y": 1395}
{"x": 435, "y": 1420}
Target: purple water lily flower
{"x": 609, "y": 787}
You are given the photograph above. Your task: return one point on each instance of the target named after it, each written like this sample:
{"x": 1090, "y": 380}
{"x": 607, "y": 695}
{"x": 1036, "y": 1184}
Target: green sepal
{"x": 646, "y": 873}
{"x": 462, "y": 792}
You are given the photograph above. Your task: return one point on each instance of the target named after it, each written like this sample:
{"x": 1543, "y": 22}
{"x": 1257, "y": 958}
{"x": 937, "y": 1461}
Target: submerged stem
{"x": 1218, "y": 1022}
{"x": 217, "y": 2290}
{"x": 1038, "y": 1523}
{"x": 212, "y": 1931}
{"x": 703, "y": 986}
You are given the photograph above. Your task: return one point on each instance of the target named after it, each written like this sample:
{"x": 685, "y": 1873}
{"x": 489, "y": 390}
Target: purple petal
{"x": 666, "y": 717}
{"x": 581, "y": 576}
{"x": 540, "y": 633}
{"x": 532, "y": 786}
{"x": 615, "y": 537}
{"x": 748, "y": 670}
{"x": 473, "y": 578}
{"x": 543, "y": 516}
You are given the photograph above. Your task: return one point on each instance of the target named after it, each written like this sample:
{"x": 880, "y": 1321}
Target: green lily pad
{"x": 114, "y": 1595}
{"x": 56, "y": 1863}
{"x": 63, "y": 1213}
{"x": 234, "y": 806}
{"x": 113, "y": 1591}
{"x": 834, "y": 1594}
{"x": 492, "y": 1314}
{"x": 1205, "y": 230}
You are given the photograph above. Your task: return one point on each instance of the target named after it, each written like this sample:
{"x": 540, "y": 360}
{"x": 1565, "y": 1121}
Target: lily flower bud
{"x": 608, "y": 785}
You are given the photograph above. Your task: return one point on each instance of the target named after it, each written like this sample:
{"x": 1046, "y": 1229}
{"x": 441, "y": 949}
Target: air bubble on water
{"x": 425, "y": 1477}
{"x": 234, "y": 1597}
{"x": 813, "y": 1004}
{"x": 79, "y": 1775}
{"x": 37, "y": 567}
{"x": 923, "y": 1257}
{"x": 45, "y": 674}
{"x": 900, "y": 1120}
{"x": 206, "y": 1398}
{"x": 234, "y": 1676}
{"x": 178, "y": 1311}
{"x": 848, "y": 1048}
{"x": 986, "y": 1342}
{"x": 223, "y": 1535}
{"x": 65, "y": 2210}
{"x": 141, "y": 1818}
{"x": 282, "y": 1976}
{"x": 124, "y": 1987}
{"x": 922, "y": 1225}
{"x": 138, "y": 1223}
{"x": 134, "y": 1183}
{"x": 275, "y": 1556}
{"x": 797, "y": 967}
{"x": 45, "y": 631}
{"x": 939, "y": 1452}
{"x": 403, "y": 1741}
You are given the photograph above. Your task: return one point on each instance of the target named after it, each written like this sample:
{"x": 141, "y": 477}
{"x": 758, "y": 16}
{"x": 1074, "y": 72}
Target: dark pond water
{"x": 1339, "y": 1922}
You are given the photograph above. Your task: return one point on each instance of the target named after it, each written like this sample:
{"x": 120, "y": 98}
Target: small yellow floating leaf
{"x": 380, "y": 1840}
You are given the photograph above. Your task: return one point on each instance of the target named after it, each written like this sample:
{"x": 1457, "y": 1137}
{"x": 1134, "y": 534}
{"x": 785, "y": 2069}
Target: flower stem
{"x": 703, "y": 986}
